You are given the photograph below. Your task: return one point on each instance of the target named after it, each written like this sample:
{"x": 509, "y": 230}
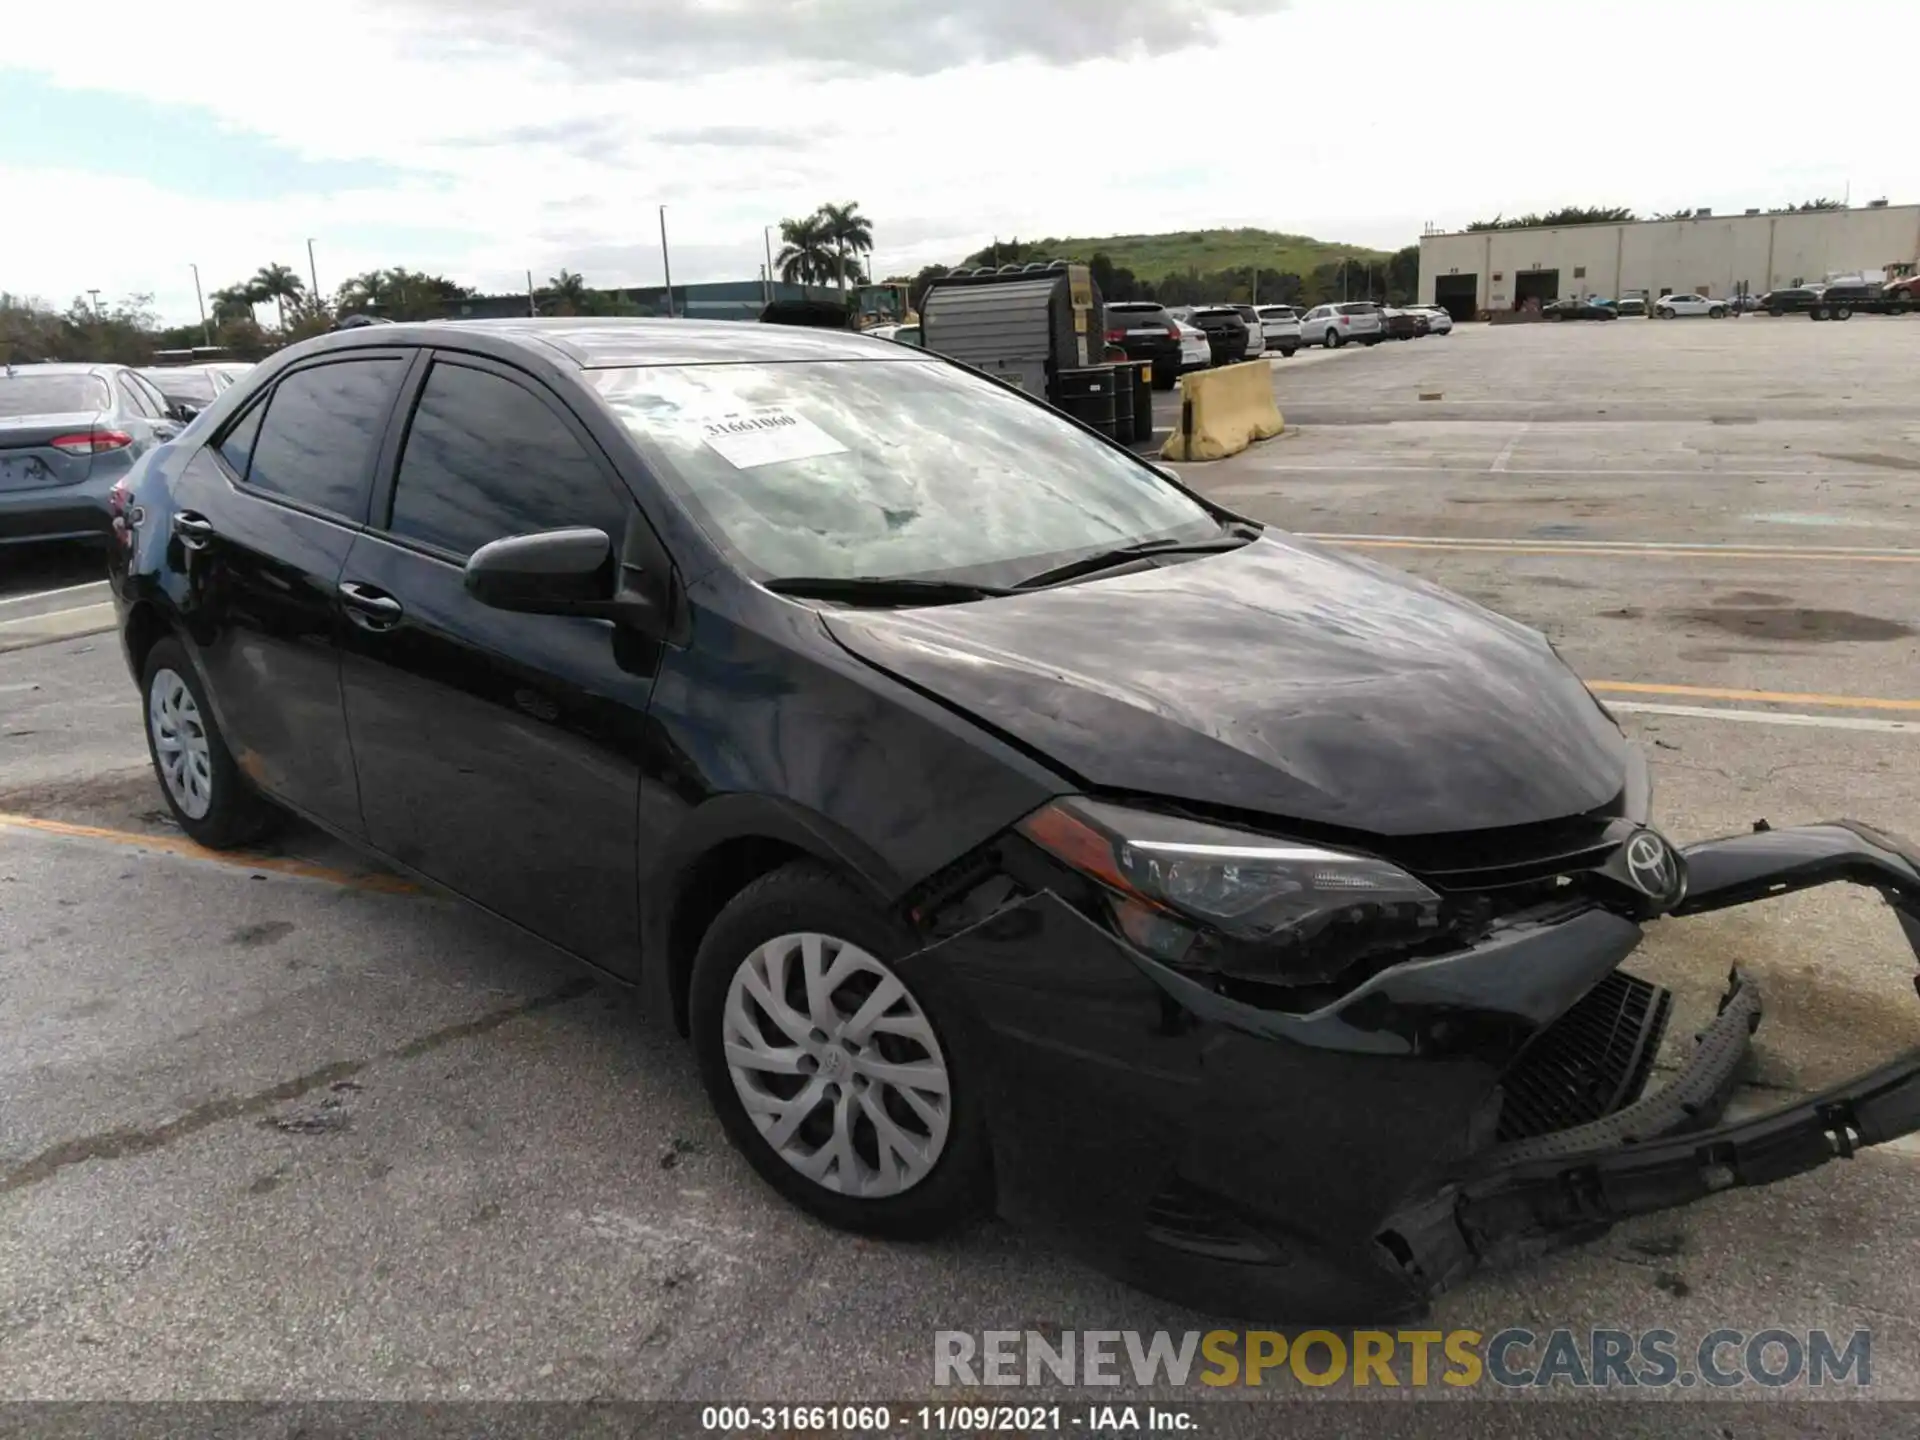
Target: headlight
{"x": 1236, "y": 902}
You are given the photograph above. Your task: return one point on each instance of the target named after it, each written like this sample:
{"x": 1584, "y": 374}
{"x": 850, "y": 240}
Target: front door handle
{"x": 369, "y": 608}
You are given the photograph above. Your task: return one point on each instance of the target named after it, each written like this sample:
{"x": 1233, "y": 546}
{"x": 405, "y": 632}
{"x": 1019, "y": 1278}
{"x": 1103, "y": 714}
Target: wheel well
{"x": 714, "y": 879}
{"x": 144, "y": 628}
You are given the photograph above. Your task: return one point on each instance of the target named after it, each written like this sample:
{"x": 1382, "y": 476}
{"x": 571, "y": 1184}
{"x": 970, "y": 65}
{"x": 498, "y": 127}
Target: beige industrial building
{"x": 1473, "y": 271}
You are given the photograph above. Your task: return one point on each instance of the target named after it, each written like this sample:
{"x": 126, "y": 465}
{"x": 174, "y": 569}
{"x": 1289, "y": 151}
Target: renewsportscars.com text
{"x": 1512, "y": 1358}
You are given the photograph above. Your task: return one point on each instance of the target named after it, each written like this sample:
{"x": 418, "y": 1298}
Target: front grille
{"x": 1588, "y": 1063}
{"x": 1186, "y": 1217}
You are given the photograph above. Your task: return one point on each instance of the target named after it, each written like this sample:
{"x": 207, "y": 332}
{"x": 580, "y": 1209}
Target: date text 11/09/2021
{"x": 949, "y": 1419}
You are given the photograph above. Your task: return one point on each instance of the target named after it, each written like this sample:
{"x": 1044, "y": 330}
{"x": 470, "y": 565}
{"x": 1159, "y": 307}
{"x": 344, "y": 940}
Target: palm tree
{"x": 568, "y": 291}
{"x": 852, "y": 236}
{"x": 233, "y": 303}
{"x": 807, "y": 254}
{"x": 279, "y": 284}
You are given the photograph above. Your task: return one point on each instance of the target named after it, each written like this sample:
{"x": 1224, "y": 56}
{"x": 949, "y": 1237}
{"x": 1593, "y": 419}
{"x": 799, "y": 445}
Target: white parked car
{"x": 1334, "y": 325}
{"x": 1439, "y": 320}
{"x": 1256, "y": 335}
{"x": 1196, "y": 353}
{"x": 1280, "y": 324}
{"x": 1668, "y": 306}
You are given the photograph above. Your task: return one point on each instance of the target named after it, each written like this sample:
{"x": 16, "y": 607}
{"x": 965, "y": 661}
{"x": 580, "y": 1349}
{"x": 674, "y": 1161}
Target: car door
{"x": 262, "y": 519}
{"x": 498, "y": 753}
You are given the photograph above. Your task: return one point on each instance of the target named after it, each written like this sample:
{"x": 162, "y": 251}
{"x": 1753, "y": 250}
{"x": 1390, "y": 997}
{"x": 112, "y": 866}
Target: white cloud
{"x": 546, "y": 135}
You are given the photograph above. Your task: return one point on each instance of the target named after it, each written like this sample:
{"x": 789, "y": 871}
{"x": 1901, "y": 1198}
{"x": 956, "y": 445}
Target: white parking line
{"x": 74, "y": 590}
{"x": 59, "y": 625}
{"x": 1766, "y": 717}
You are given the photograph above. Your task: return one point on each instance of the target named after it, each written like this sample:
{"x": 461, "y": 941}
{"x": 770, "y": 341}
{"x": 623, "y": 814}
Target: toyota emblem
{"x": 1652, "y": 865}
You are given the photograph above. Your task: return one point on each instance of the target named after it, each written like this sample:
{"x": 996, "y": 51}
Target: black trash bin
{"x": 1142, "y": 400}
{"x": 1087, "y": 395}
{"x": 1122, "y": 401}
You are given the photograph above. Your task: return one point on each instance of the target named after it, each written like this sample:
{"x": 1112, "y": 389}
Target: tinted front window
{"x": 485, "y": 458}
{"x": 856, "y": 468}
{"x": 52, "y": 394}
{"x": 322, "y": 428}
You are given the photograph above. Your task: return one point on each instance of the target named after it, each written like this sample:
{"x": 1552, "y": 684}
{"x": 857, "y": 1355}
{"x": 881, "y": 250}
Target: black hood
{"x": 1281, "y": 678}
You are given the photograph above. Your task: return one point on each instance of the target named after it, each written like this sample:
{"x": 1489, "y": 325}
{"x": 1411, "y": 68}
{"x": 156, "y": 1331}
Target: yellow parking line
{"x": 1771, "y": 697}
{"x": 179, "y": 845}
{"x": 1640, "y": 553}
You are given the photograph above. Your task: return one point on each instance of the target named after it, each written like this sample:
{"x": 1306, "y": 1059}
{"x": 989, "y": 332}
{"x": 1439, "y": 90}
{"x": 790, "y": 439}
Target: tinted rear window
{"x": 52, "y": 394}
{"x": 1357, "y": 309}
{"x": 321, "y": 430}
{"x": 1276, "y": 312}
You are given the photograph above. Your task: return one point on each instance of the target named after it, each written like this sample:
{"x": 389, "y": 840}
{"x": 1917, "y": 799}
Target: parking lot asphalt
{"x": 280, "y": 1128}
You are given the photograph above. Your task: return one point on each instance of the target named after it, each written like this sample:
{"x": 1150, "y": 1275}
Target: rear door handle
{"x": 369, "y": 608}
{"x": 194, "y": 530}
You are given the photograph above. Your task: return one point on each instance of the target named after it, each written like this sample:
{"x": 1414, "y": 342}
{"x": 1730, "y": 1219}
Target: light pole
{"x": 666, "y": 264}
{"x": 766, "y": 235}
{"x": 205, "y": 328}
{"x": 96, "y": 303}
{"x": 312, "y": 273}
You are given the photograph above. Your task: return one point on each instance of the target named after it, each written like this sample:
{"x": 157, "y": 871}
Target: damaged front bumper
{"x": 1348, "y": 1164}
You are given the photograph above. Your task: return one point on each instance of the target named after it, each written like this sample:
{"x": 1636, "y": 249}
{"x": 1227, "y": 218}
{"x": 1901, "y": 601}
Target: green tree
{"x": 852, "y": 236}
{"x": 278, "y": 283}
{"x": 398, "y": 294}
{"x": 1566, "y": 215}
{"x": 234, "y": 303}
{"x": 917, "y": 287}
{"x": 564, "y": 294}
{"x": 1402, "y": 282}
{"x": 808, "y": 253}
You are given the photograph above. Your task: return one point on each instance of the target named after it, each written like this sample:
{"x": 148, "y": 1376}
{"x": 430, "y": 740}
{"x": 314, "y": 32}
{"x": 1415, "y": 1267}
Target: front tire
{"x": 1333, "y": 340}
{"x": 209, "y": 797}
{"x": 833, "y": 1075}
{"x": 1717, "y": 313}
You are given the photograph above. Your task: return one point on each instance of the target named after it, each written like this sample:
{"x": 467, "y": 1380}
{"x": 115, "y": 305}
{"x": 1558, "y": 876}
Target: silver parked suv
{"x": 1334, "y": 325}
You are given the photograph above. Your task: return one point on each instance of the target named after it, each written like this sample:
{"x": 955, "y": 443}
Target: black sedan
{"x": 1006, "y": 824}
{"x": 1579, "y": 310}
{"x": 1227, "y": 333}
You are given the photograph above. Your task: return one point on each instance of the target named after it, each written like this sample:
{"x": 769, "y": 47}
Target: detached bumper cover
{"x": 1343, "y": 1164}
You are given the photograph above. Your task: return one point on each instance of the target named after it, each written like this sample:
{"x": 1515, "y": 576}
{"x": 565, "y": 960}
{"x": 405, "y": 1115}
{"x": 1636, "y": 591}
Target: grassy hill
{"x": 1152, "y": 256}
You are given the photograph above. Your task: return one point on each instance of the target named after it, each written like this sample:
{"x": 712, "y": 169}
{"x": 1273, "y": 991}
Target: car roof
{"x": 63, "y": 367}
{"x": 610, "y": 343}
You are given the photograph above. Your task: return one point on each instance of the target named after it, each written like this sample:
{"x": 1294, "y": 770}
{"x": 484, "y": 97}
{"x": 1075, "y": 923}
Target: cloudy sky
{"x": 484, "y": 138}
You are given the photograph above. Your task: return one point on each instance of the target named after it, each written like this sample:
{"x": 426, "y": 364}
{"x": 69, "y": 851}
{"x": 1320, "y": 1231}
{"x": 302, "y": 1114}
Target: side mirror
{"x": 183, "y": 411}
{"x": 556, "y": 572}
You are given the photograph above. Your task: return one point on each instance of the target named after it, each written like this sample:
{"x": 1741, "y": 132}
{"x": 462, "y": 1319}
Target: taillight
{"x": 1345, "y": 321}
{"x": 117, "y": 498}
{"x": 1114, "y": 337}
{"x": 92, "y": 442}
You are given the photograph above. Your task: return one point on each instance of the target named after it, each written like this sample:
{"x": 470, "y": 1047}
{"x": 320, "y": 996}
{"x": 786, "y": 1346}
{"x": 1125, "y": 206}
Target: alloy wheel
{"x": 837, "y": 1065}
{"x": 180, "y": 743}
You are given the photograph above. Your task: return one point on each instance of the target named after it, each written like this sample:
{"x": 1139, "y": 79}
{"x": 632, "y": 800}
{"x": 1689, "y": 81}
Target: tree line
{"x": 1619, "y": 214}
{"x": 1393, "y": 281}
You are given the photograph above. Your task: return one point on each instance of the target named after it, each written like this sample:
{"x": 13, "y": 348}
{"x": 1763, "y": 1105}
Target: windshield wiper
{"x": 1100, "y": 560}
{"x": 882, "y": 589}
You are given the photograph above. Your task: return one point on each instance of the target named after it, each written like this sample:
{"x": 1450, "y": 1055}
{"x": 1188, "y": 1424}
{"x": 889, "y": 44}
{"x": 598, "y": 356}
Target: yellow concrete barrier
{"x": 1223, "y": 411}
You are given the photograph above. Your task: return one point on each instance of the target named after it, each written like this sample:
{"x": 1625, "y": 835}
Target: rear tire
{"x": 1843, "y": 312}
{"x": 767, "y": 937}
{"x": 210, "y": 799}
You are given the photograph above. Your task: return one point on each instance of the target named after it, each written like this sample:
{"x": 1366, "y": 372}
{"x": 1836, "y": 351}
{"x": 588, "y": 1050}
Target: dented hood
{"x": 1283, "y": 678}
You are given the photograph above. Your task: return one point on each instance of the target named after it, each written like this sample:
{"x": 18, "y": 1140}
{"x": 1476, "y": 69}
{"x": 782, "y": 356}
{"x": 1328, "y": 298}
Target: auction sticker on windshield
{"x": 766, "y": 437}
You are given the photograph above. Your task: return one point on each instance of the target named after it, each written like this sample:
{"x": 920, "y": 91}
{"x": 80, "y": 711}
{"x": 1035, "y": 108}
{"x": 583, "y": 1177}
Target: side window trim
{"x": 152, "y": 392}
{"x": 380, "y": 515}
{"x": 131, "y": 396}
{"x": 410, "y": 357}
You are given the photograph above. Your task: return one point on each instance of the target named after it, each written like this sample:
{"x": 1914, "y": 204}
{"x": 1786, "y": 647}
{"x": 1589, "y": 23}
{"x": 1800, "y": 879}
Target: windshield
{"x": 888, "y": 468}
{"x": 193, "y": 386}
{"x": 51, "y": 394}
